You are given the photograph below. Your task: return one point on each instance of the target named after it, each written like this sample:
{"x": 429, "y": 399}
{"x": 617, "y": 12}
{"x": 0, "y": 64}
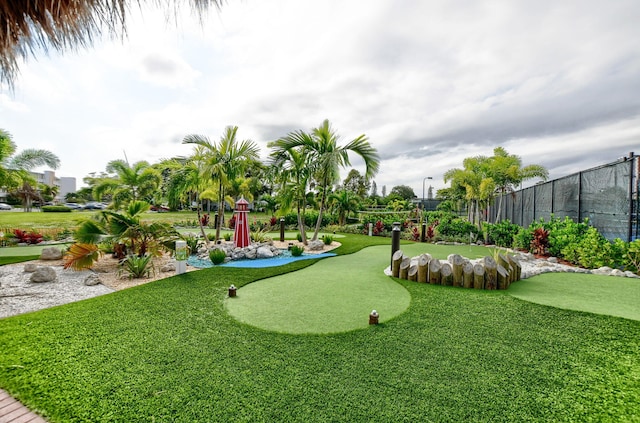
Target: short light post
{"x": 232, "y": 291}
{"x": 282, "y": 229}
{"x": 182, "y": 254}
{"x": 395, "y": 239}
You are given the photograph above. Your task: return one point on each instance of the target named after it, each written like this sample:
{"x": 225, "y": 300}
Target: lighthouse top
{"x": 242, "y": 204}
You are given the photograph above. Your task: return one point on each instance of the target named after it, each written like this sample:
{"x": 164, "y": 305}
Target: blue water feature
{"x": 282, "y": 259}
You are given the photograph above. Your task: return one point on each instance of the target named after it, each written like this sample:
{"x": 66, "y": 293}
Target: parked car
{"x": 159, "y": 208}
{"x": 74, "y": 206}
{"x": 94, "y": 205}
{"x": 5, "y": 206}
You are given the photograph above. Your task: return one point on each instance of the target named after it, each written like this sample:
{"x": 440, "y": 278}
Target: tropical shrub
{"x": 31, "y": 237}
{"x": 522, "y": 239}
{"x": 540, "y": 241}
{"x": 562, "y": 232}
{"x": 327, "y": 239}
{"x": 299, "y": 237}
{"x": 632, "y": 258}
{"x": 296, "y": 250}
{"x": 192, "y": 244}
{"x": 273, "y": 221}
{"x": 227, "y": 236}
{"x": 137, "y": 266}
{"x": 232, "y": 222}
{"x": 217, "y": 256}
{"x": 457, "y": 229}
{"x": 204, "y": 219}
{"x": 260, "y": 235}
{"x": 501, "y": 233}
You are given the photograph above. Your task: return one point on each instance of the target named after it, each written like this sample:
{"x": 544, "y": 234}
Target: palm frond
{"x": 81, "y": 256}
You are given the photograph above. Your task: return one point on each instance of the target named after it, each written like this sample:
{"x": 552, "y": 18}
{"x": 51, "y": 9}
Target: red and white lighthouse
{"x": 241, "y": 236}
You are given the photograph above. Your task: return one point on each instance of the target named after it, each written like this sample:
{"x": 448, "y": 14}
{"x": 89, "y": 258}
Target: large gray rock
{"x": 168, "y": 267}
{"x": 264, "y": 252}
{"x": 43, "y": 274}
{"x": 92, "y": 279}
{"x": 251, "y": 254}
{"x": 51, "y": 253}
{"x": 316, "y": 245}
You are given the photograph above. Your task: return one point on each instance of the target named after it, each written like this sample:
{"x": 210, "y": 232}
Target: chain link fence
{"x": 607, "y": 195}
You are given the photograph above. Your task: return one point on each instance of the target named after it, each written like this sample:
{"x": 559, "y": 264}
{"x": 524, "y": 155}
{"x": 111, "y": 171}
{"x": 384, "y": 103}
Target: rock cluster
{"x": 532, "y": 266}
{"x": 253, "y": 251}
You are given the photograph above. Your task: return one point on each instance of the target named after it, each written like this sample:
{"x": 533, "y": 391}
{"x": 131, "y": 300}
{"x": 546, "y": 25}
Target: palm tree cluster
{"x": 482, "y": 178}
{"x": 64, "y": 25}
{"x": 14, "y": 169}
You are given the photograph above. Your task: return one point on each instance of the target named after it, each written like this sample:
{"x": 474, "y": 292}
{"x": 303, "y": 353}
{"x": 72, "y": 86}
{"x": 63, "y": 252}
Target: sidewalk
{"x": 12, "y": 411}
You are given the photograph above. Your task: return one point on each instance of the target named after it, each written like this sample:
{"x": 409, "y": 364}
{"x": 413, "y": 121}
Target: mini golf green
{"x": 613, "y": 296}
{"x": 333, "y": 295}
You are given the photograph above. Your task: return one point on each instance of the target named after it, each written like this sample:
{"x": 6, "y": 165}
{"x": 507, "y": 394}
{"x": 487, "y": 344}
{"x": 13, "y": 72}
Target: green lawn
{"x": 168, "y": 351}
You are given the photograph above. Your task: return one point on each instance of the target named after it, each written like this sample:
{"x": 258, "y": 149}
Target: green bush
{"x": 593, "y": 250}
{"x": 457, "y": 228}
{"x": 327, "y": 239}
{"x": 137, "y": 267}
{"x": 217, "y": 256}
{"x": 632, "y": 257}
{"x": 296, "y": 250}
{"x": 299, "y": 237}
{"x": 562, "y": 232}
{"x": 227, "y": 236}
{"x": 522, "y": 239}
{"x": 310, "y": 219}
{"x": 501, "y": 233}
{"x": 55, "y": 209}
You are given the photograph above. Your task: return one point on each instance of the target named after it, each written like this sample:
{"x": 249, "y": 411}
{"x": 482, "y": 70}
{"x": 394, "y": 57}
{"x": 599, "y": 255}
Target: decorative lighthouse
{"x": 241, "y": 236}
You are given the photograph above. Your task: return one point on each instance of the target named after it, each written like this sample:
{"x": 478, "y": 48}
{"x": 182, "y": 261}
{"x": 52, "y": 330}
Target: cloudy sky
{"x": 429, "y": 82}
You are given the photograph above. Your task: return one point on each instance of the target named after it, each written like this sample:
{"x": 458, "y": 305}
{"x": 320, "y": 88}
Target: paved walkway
{"x": 12, "y": 411}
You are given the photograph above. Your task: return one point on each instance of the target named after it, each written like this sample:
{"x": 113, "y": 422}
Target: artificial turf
{"x": 593, "y": 293}
{"x": 168, "y": 351}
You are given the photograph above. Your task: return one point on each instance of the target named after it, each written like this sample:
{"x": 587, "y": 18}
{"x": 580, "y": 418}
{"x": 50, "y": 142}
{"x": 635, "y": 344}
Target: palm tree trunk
{"x": 322, "y": 200}
{"x": 301, "y": 227}
{"x": 204, "y": 235}
{"x": 220, "y": 212}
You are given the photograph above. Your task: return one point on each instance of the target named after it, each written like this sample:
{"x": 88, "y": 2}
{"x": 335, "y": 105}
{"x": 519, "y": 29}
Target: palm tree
{"x": 326, "y": 158}
{"x": 507, "y": 172}
{"x": 14, "y": 168}
{"x": 226, "y": 160}
{"x": 478, "y": 187}
{"x": 132, "y": 182}
{"x": 64, "y": 25}
{"x": 344, "y": 202}
{"x": 189, "y": 179}
{"x": 293, "y": 173}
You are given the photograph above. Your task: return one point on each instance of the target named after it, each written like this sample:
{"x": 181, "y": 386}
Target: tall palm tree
{"x": 189, "y": 179}
{"x": 226, "y": 160}
{"x": 327, "y": 157}
{"x": 132, "y": 182}
{"x": 293, "y": 173}
{"x": 507, "y": 172}
{"x": 64, "y": 25}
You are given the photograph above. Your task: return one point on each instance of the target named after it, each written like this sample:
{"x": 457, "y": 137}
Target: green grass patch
{"x": 591, "y": 293}
{"x": 17, "y": 259}
{"x": 28, "y": 250}
{"x": 168, "y": 351}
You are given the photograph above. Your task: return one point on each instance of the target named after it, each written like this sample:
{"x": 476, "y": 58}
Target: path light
{"x": 373, "y": 317}
{"x": 232, "y": 291}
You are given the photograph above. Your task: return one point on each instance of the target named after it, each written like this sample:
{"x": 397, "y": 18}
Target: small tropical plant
{"x": 137, "y": 266}
{"x": 204, "y": 219}
{"x": 217, "y": 256}
{"x": 227, "y": 236}
{"x": 296, "y": 250}
{"x": 540, "y": 242}
{"x": 260, "y": 235}
{"x": 299, "y": 237}
{"x": 27, "y": 237}
{"x": 327, "y": 239}
{"x": 192, "y": 244}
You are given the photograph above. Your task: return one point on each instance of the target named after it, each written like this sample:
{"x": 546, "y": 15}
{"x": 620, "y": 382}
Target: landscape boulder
{"x": 92, "y": 279}
{"x": 316, "y": 245}
{"x": 264, "y": 252}
{"x": 43, "y": 274}
{"x": 168, "y": 267}
{"x": 51, "y": 253}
